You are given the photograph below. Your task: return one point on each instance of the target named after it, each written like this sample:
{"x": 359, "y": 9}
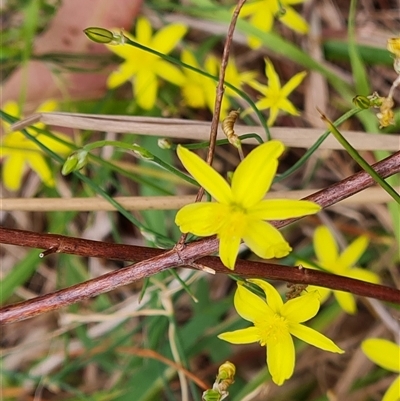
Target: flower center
{"x": 272, "y": 330}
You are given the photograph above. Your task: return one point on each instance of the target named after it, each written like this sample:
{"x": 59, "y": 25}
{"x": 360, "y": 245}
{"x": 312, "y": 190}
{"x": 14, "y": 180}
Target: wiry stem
{"x": 161, "y": 260}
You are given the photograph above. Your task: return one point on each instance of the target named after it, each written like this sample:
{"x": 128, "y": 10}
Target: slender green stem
{"x": 144, "y": 154}
{"x": 360, "y": 160}
{"x": 206, "y": 74}
{"x": 315, "y": 146}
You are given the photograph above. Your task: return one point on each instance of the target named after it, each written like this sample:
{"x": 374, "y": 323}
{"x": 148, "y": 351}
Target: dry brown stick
{"x": 197, "y": 250}
{"x": 220, "y": 89}
{"x": 172, "y": 258}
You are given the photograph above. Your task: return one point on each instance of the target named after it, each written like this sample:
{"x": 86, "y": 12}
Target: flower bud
{"x": 164, "y": 143}
{"x": 362, "y": 102}
{"x": 105, "y": 36}
{"x": 211, "y": 395}
{"x": 393, "y": 45}
{"x": 75, "y": 161}
{"x": 99, "y": 35}
{"x": 226, "y": 371}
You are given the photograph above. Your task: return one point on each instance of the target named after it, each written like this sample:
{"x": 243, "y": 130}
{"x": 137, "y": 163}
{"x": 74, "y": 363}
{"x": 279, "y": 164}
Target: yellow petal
{"x": 277, "y": 209}
{"x": 166, "y": 39}
{"x": 294, "y": 21}
{"x": 281, "y": 359}
{"x": 384, "y": 353}
{"x": 255, "y": 173}
{"x": 169, "y": 72}
{"x": 323, "y": 292}
{"x": 353, "y": 252}
{"x": 293, "y": 83}
{"x": 313, "y": 337}
{"x": 265, "y": 240}
{"x": 146, "y": 86}
{"x": 346, "y": 301}
{"x": 242, "y": 336}
{"x": 302, "y": 308}
{"x": 273, "y": 114}
{"x": 39, "y": 165}
{"x": 228, "y": 248}
{"x": 325, "y": 246}
{"x": 250, "y": 306}
{"x": 201, "y": 219}
{"x": 274, "y": 82}
{"x": 205, "y": 175}
{"x": 272, "y": 296}
{"x": 143, "y": 31}
{"x": 364, "y": 275}
{"x": 124, "y": 73}
{"x": 393, "y": 392}
{"x": 13, "y": 170}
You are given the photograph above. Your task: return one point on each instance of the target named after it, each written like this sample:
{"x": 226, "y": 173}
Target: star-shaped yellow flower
{"x": 18, "y": 152}
{"x": 263, "y": 12}
{"x": 199, "y": 91}
{"x": 385, "y": 354}
{"x": 329, "y": 259}
{"x": 275, "y": 96}
{"x": 240, "y": 210}
{"x": 275, "y": 323}
{"x": 142, "y": 67}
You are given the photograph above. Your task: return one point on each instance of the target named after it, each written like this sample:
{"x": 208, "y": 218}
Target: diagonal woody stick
{"x": 161, "y": 260}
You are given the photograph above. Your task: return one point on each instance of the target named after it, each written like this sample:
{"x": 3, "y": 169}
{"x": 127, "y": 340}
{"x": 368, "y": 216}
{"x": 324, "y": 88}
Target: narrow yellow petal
{"x": 364, "y": 275}
{"x": 384, "y": 353}
{"x": 302, "y": 308}
{"x": 39, "y": 165}
{"x": 205, "y": 175}
{"x": 250, "y": 306}
{"x": 13, "y": 170}
{"x": 272, "y": 296}
{"x": 242, "y": 336}
{"x": 281, "y": 359}
{"x": 146, "y": 86}
{"x": 169, "y": 72}
{"x": 143, "y": 31}
{"x": 265, "y": 240}
{"x": 294, "y": 21}
{"x": 124, "y": 73}
{"x": 293, "y": 83}
{"x": 277, "y": 209}
{"x": 393, "y": 392}
{"x": 353, "y": 252}
{"x": 346, "y": 301}
{"x": 228, "y": 249}
{"x": 325, "y": 247}
{"x": 201, "y": 219}
{"x": 255, "y": 173}
{"x": 313, "y": 337}
{"x": 274, "y": 82}
{"x": 166, "y": 39}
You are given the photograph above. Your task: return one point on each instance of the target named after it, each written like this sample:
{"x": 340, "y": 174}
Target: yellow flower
{"x": 275, "y": 323}
{"x": 275, "y": 96}
{"x": 199, "y": 91}
{"x": 342, "y": 264}
{"x": 385, "y": 354}
{"x": 18, "y": 152}
{"x": 143, "y": 67}
{"x": 263, "y": 12}
{"x": 240, "y": 209}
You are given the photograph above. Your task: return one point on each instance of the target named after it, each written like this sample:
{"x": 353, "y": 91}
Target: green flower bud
{"x": 211, "y": 395}
{"x": 362, "y": 102}
{"x": 99, "y": 35}
{"x": 75, "y": 162}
